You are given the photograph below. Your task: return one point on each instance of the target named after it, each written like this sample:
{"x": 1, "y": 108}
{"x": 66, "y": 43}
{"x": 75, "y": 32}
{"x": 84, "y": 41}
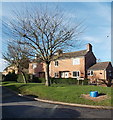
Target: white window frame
{"x": 66, "y": 74}
{"x": 56, "y": 75}
{"x": 76, "y": 76}
{"x": 62, "y": 74}
{"x": 89, "y": 73}
{"x": 76, "y": 61}
{"x": 34, "y": 65}
{"x": 56, "y": 63}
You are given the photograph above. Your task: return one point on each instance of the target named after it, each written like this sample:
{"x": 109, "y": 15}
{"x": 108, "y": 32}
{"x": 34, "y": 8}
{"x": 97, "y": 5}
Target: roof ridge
{"x": 99, "y": 66}
{"x": 75, "y": 51}
{"x": 105, "y": 62}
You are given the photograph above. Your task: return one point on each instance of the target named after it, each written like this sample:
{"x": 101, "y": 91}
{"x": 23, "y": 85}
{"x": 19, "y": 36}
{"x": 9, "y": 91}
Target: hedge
{"x": 33, "y": 78}
{"x": 20, "y": 78}
{"x": 10, "y": 77}
{"x": 68, "y": 81}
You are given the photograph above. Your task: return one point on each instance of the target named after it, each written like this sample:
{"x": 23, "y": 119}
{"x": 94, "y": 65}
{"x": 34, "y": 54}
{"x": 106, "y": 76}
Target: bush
{"x": 42, "y": 80}
{"x": 20, "y": 78}
{"x": 86, "y": 81}
{"x": 63, "y": 81}
{"x": 10, "y": 77}
{"x": 35, "y": 79}
{"x": 68, "y": 81}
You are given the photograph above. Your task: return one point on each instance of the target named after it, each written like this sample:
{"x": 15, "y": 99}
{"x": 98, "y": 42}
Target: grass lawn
{"x": 63, "y": 93}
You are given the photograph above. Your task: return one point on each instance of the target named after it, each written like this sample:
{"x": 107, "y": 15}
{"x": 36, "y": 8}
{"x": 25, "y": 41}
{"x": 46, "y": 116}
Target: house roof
{"x": 99, "y": 66}
{"x": 73, "y": 54}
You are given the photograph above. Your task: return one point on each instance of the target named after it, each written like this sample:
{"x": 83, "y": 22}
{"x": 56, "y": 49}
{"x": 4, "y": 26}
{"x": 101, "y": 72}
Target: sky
{"x": 96, "y": 16}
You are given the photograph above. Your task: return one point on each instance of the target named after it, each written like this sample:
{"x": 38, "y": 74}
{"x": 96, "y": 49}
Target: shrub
{"x": 86, "y": 81}
{"x": 33, "y": 78}
{"x": 11, "y": 77}
{"x": 68, "y": 81}
{"x": 42, "y": 80}
{"x": 20, "y": 78}
{"x": 63, "y": 81}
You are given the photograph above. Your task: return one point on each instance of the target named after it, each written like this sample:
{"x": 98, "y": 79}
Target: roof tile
{"x": 73, "y": 54}
{"x": 99, "y": 66}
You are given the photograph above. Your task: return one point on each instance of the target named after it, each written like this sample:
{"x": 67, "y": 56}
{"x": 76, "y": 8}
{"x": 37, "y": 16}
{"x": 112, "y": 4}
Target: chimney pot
{"x": 89, "y": 47}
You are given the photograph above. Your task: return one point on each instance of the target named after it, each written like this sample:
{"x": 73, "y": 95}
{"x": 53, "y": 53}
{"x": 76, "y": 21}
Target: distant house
{"x": 37, "y": 69}
{"x": 10, "y": 69}
{"x": 101, "y": 70}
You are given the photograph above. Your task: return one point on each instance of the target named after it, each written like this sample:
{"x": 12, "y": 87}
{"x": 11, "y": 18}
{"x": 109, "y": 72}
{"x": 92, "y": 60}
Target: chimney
{"x": 89, "y": 47}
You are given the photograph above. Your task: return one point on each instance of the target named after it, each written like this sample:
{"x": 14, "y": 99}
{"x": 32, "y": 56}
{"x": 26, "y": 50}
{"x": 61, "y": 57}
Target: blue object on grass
{"x": 93, "y": 93}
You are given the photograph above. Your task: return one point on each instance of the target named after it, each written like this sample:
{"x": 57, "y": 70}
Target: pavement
{"x": 14, "y": 106}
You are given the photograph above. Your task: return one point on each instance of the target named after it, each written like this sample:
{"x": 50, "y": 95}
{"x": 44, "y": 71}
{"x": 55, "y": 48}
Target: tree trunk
{"x": 24, "y": 78}
{"x": 47, "y": 74}
{"x": 107, "y": 83}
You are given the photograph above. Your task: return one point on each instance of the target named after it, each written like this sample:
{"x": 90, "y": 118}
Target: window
{"x": 76, "y": 74}
{"x": 56, "y": 63}
{"x": 34, "y": 65}
{"x": 90, "y": 73}
{"x": 76, "y": 61}
{"x": 56, "y": 75}
{"x": 62, "y": 75}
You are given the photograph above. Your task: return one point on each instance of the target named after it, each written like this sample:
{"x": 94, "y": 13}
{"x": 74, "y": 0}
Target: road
{"x": 14, "y": 106}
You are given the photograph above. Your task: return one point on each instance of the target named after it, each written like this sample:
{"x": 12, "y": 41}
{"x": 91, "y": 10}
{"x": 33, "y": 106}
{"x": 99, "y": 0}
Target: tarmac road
{"x": 14, "y": 106}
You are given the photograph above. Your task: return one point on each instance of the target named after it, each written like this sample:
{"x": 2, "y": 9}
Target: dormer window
{"x": 56, "y": 63}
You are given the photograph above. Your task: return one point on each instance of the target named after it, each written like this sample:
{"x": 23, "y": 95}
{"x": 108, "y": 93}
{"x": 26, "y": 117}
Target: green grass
{"x": 63, "y": 93}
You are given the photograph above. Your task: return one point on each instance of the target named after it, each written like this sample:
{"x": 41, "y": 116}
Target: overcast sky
{"x": 97, "y": 17}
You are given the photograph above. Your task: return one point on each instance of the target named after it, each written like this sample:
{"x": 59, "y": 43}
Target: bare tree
{"x": 18, "y": 56}
{"x": 45, "y": 32}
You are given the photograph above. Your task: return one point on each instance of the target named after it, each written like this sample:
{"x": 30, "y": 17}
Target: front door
{"x": 66, "y": 75}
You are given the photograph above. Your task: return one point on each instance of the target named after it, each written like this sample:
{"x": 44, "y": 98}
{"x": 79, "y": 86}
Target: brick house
{"x": 101, "y": 70}
{"x": 68, "y": 65}
{"x": 37, "y": 69}
{"x": 10, "y": 69}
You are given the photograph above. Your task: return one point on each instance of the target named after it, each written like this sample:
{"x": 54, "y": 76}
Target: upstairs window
{"x": 90, "y": 73}
{"x": 56, "y": 63}
{"x": 76, "y": 61}
{"x": 76, "y": 74}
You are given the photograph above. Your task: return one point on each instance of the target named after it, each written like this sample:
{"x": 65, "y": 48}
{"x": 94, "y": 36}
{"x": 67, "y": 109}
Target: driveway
{"x": 14, "y": 106}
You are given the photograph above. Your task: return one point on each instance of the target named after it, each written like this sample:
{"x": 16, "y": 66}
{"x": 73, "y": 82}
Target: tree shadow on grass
{"x": 9, "y": 96}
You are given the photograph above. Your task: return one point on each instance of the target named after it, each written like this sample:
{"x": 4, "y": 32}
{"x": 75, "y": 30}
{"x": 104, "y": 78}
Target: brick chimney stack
{"x": 89, "y": 47}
